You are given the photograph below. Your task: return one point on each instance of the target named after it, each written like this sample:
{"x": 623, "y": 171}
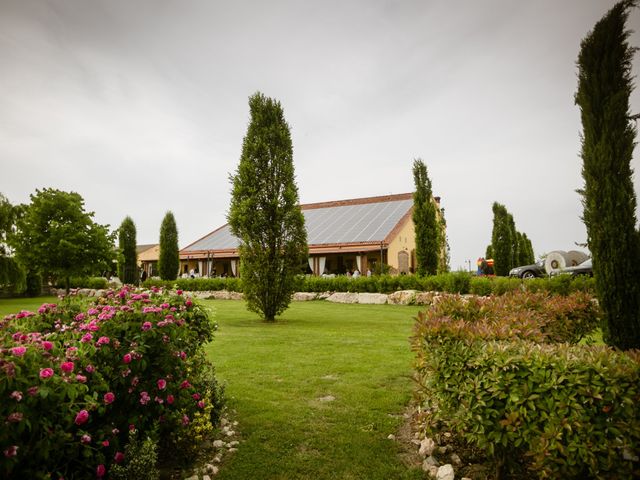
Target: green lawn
{"x": 276, "y": 374}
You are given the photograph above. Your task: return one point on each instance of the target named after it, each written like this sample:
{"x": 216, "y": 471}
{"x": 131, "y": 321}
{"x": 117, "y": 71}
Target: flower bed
{"x": 77, "y": 376}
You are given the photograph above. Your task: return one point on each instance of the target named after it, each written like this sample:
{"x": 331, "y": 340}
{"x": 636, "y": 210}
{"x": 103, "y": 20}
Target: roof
{"x": 365, "y": 221}
{"x": 145, "y": 247}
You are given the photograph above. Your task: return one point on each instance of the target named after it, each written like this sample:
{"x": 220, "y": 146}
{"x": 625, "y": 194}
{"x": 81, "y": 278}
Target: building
{"x": 343, "y": 235}
{"x": 148, "y": 256}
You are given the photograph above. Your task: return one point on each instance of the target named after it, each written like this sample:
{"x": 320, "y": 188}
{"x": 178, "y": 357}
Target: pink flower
{"x": 12, "y": 451}
{"x": 126, "y": 358}
{"x": 85, "y": 439}
{"x": 170, "y": 399}
{"x": 15, "y": 417}
{"x": 144, "y": 398}
{"x": 105, "y": 443}
{"x": 103, "y": 341}
{"x": 118, "y": 457}
{"x": 185, "y": 420}
{"x": 81, "y": 378}
{"x": 185, "y": 384}
{"x": 81, "y": 417}
{"x": 16, "y": 395}
{"x": 80, "y": 317}
{"x": 101, "y": 470}
{"x": 162, "y": 384}
{"x": 86, "y": 338}
{"x": 109, "y": 397}
{"x": 92, "y": 311}
{"x": 132, "y": 427}
{"x": 47, "y": 345}
{"x": 67, "y": 367}
{"x": 179, "y": 292}
{"x": 188, "y": 303}
{"x": 32, "y": 391}
{"x": 183, "y": 355}
{"x": 18, "y": 351}
{"x": 46, "y": 373}
{"x": 196, "y": 396}
{"x": 90, "y": 368}
{"x": 146, "y": 326}
{"x": 201, "y": 404}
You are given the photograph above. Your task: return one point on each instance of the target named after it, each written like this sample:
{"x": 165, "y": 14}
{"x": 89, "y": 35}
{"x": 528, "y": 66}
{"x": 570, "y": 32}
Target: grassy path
{"x": 277, "y": 375}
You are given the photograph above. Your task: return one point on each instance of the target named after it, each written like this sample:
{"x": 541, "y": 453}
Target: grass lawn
{"x": 14, "y": 305}
{"x": 276, "y": 375}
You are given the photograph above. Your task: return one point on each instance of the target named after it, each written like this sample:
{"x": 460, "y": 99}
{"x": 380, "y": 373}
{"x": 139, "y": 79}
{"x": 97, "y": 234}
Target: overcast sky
{"x": 141, "y": 106}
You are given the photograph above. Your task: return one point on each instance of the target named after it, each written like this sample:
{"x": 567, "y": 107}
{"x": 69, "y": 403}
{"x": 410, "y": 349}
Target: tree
{"x": 128, "y": 256}
{"x": 525, "y": 250}
{"x": 515, "y": 247}
{"x": 425, "y": 220}
{"x": 169, "y": 259}
{"x": 608, "y": 198}
{"x": 501, "y": 240}
{"x": 443, "y": 263}
{"x": 55, "y": 237}
{"x": 12, "y": 274}
{"x": 264, "y": 212}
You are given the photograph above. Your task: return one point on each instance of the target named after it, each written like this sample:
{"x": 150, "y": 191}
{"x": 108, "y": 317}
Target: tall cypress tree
{"x": 128, "y": 264}
{"x": 501, "y": 242}
{"x": 428, "y": 247}
{"x": 265, "y": 213}
{"x": 515, "y": 247}
{"x": 608, "y": 133}
{"x": 169, "y": 261}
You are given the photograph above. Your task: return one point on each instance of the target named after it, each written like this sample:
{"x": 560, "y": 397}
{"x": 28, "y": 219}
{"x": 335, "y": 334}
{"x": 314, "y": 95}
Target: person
{"x": 356, "y": 273}
{"x": 192, "y": 274}
{"x": 144, "y": 275}
{"x": 348, "y": 273}
{"x": 368, "y": 272}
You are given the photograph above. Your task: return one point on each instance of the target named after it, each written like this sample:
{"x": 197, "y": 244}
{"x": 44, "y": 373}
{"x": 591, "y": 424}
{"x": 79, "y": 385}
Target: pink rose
{"x": 15, "y": 417}
{"x": 146, "y": 326}
{"x": 196, "y": 396}
{"x": 81, "y": 417}
{"x": 101, "y": 470}
{"x": 105, "y": 443}
{"x": 162, "y": 384}
{"x": 47, "y": 345}
{"x": 185, "y": 384}
{"x": 188, "y": 303}
{"x": 81, "y": 378}
{"x": 170, "y": 399}
{"x": 16, "y": 395}
{"x": 109, "y": 397}
{"x": 66, "y": 367}
{"x": 89, "y": 369}
{"x": 32, "y": 391}
{"x": 46, "y": 373}
{"x": 85, "y": 439}
{"x": 18, "y": 351}
{"x": 86, "y": 338}
{"x": 179, "y": 292}
{"x": 185, "y": 420}
{"x": 103, "y": 341}
{"x": 144, "y": 398}
{"x": 12, "y": 451}
{"x": 201, "y": 404}
{"x": 126, "y": 358}
{"x": 118, "y": 457}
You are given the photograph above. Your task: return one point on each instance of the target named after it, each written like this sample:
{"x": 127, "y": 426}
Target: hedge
{"x": 503, "y": 384}
{"x": 76, "y": 377}
{"x": 456, "y": 282}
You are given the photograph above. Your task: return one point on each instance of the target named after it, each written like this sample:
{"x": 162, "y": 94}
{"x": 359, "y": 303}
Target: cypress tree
{"x": 515, "y": 248}
{"x": 128, "y": 259}
{"x": 489, "y": 252}
{"x": 428, "y": 246}
{"x": 608, "y": 197}
{"x": 501, "y": 242}
{"x": 169, "y": 261}
{"x": 265, "y": 213}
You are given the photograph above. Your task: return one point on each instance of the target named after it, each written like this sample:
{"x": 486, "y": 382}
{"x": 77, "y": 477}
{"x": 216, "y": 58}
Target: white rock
{"x": 235, "y": 424}
{"x": 455, "y": 459}
{"x": 193, "y": 477}
{"x": 445, "y": 472}
{"x": 218, "y": 444}
{"x": 426, "y": 447}
{"x": 234, "y": 444}
{"x": 206, "y": 477}
{"x": 372, "y": 298}
{"x": 430, "y": 469}
{"x": 431, "y": 460}
{"x": 465, "y": 478}
{"x": 210, "y": 468}
{"x": 343, "y": 297}
{"x": 217, "y": 459}
{"x": 230, "y": 433}
{"x": 304, "y": 296}
{"x": 391, "y": 436}
{"x": 443, "y": 449}
{"x": 231, "y": 450}
{"x": 402, "y": 297}
{"x": 328, "y": 398}
{"x": 223, "y": 421}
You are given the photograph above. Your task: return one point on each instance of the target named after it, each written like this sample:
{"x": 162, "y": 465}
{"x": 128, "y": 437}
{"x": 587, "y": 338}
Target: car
{"x": 585, "y": 268}
{"x": 529, "y": 271}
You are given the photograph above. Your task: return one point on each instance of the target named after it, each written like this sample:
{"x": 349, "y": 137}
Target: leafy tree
{"x": 128, "y": 260}
{"x": 57, "y": 238}
{"x": 525, "y": 250}
{"x": 12, "y": 274}
{"x": 169, "y": 259}
{"x": 264, "y": 212}
{"x": 425, "y": 220}
{"x": 608, "y": 197}
{"x": 501, "y": 241}
{"x": 515, "y": 247}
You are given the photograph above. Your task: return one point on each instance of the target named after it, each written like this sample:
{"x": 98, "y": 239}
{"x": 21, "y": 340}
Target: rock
{"x": 206, "y": 477}
{"x": 455, "y": 459}
{"x": 445, "y": 472}
{"x": 447, "y": 435}
{"x": 304, "y": 296}
{"x": 415, "y": 441}
{"x": 426, "y": 447}
{"x": 217, "y": 459}
{"x": 218, "y": 444}
{"x": 323, "y": 295}
{"x": 423, "y": 298}
{"x": 328, "y": 398}
{"x": 443, "y": 449}
{"x": 210, "y": 468}
{"x": 343, "y": 297}
{"x": 391, "y": 436}
{"x": 234, "y": 444}
{"x": 372, "y": 298}
{"x": 235, "y": 424}
{"x": 224, "y": 421}
{"x": 232, "y": 450}
{"x": 431, "y": 460}
{"x": 230, "y": 433}
{"x": 465, "y": 478}
{"x": 430, "y": 469}
{"x": 192, "y": 477}
{"x": 402, "y": 297}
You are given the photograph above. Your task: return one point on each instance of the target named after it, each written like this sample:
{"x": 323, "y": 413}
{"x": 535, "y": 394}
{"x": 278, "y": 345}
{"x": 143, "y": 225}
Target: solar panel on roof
{"x": 369, "y": 222}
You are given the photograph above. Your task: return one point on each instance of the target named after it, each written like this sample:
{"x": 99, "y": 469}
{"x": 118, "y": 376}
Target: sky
{"x": 141, "y": 106}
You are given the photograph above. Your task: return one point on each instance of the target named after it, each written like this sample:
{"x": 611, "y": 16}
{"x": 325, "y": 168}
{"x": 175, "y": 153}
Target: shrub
{"x": 94, "y": 283}
{"x": 139, "y": 460}
{"x": 563, "y": 411}
{"x": 79, "y": 375}
{"x": 480, "y": 286}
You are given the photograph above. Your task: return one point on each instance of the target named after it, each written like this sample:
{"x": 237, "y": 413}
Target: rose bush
{"x": 77, "y": 376}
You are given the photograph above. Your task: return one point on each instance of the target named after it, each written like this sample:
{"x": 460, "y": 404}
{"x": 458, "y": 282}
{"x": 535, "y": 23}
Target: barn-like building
{"x": 343, "y": 236}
